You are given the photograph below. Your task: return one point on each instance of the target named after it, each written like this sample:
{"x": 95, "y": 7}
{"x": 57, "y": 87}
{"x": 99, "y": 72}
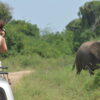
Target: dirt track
{"x": 16, "y": 76}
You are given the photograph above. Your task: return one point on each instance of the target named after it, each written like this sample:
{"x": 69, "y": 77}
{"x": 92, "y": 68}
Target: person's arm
{"x": 3, "y": 47}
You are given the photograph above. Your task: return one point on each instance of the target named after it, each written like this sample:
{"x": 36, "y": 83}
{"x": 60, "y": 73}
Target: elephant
{"x": 87, "y": 57}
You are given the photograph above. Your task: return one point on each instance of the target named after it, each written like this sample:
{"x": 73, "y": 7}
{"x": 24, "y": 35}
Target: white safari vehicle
{"x": 5, "y": 89}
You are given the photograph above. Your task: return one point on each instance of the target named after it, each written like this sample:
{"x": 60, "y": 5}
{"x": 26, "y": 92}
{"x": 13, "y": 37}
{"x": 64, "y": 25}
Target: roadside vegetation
{"x": 52, "y": 56}
{"x": 59, "y": 84}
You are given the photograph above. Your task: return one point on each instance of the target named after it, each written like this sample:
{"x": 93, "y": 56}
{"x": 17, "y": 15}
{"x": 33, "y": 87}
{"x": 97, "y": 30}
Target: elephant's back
{"x": 86, "y": 45}
{"x": 95, "y": 49}
{"x": 95, "y": 45}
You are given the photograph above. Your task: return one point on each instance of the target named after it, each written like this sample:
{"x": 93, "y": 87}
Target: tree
{"x": 87, "y": 26}
{"x": 5, "y": 12}
{"x": 25, "y": 27}
{"x": 20, "y": 35}
{"x": 90, "y": 14}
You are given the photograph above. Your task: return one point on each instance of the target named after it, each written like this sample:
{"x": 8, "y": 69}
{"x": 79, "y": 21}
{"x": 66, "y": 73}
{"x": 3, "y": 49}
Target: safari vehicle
{"x": 5, "y": 89}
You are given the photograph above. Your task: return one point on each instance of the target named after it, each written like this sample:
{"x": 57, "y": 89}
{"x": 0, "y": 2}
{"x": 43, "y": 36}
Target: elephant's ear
{"x": 95, "y": 49}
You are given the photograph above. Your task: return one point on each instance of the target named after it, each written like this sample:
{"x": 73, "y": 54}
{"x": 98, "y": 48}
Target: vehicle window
{"x": 2, "y": 94}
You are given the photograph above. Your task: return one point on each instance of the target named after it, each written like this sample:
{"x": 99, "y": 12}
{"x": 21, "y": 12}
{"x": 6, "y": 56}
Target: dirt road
{"x": 16, "y": 76}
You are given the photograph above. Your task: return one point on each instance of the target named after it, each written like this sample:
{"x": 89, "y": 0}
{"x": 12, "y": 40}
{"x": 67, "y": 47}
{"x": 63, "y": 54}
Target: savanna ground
{"x": 15, "y": 77}
{"x": 53, "y": 79}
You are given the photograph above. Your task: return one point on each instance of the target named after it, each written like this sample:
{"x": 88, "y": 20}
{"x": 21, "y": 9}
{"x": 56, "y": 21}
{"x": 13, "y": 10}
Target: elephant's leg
{"x": 91, "y": 72}
{"x": 89, "y": 67}
{"x": 79, "y": 70}
{"x": 96, "y": 67}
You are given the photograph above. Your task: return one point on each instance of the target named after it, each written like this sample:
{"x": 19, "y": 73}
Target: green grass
{"x": 56, "y": 84}
{"x": 20, "y": 62}
{"x": 53, "y": 79}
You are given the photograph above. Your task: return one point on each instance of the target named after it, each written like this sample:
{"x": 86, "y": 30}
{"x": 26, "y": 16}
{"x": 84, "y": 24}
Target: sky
{"x": 52, "y": 14}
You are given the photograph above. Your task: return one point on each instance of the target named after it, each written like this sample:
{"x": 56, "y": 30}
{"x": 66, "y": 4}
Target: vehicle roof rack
{"x": 4, "y": 74}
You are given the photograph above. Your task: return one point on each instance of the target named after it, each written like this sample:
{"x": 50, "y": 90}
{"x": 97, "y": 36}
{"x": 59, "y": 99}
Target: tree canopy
{"x": 25, "y": 38}
{"x": 87, "y": 26}
{"x": 5, "y": 12}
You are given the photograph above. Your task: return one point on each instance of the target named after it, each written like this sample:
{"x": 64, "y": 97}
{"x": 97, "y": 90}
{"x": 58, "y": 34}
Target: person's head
{"x": 1, "y": 24}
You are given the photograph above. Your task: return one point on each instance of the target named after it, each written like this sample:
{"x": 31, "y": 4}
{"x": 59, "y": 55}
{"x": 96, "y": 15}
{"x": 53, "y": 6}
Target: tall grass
{"x": 33, "y": 61}
{"x": 54, "y": 80}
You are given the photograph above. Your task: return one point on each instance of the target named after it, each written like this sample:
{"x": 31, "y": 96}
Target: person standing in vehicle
{"x": 3, "y": 45}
